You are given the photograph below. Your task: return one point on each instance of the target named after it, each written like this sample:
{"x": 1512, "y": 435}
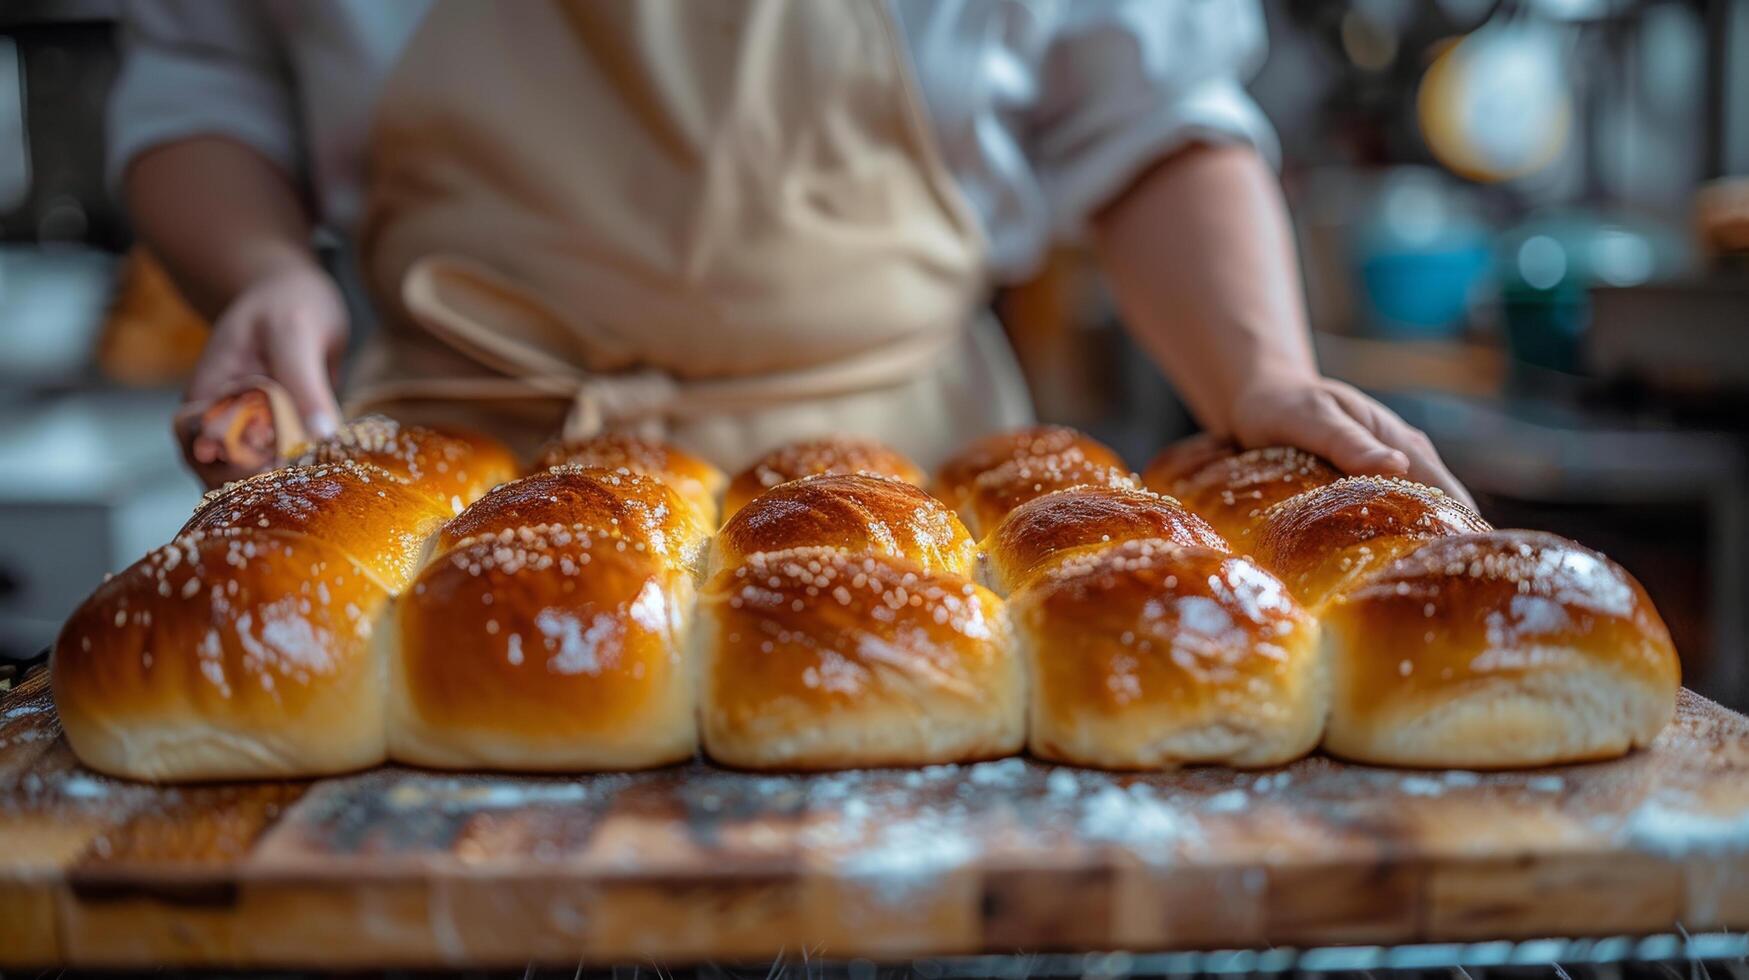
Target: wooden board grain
{"x": 403, "y": 867}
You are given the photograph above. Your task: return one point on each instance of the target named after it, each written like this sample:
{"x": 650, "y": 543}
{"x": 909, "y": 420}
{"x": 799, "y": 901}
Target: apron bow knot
{"x": 635, "y": 399}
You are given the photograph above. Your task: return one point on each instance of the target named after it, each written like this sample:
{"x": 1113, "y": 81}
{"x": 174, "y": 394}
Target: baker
{"x": 730, "y": 224}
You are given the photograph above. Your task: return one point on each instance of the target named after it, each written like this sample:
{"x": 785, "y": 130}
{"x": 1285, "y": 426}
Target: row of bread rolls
{"x": 333, "y": 614}
{"x": 1447, "y": 642}
{"x": 1281, "y": 606}
{"x": 243, "y": 648}
{"x": 1148, "y": 643}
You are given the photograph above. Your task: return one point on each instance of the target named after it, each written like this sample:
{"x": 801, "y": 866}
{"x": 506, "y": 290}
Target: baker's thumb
{"x": 303, "y": 369}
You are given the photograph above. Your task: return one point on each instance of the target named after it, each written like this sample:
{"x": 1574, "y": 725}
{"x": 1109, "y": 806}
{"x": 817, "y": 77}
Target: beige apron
{"x": 724, "y": 223}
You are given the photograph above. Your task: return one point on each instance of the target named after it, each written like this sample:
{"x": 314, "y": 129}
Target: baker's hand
{"x": 291, "y": 326}
{"x": 1339, "y": 423}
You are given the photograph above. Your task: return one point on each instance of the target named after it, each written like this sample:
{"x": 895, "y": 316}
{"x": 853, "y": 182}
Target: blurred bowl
{"x": 1420, "y": 256}
{"x": 1547, "y": 267}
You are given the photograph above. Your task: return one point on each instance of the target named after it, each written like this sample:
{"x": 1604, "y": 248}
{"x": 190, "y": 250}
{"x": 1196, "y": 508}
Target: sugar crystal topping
{"x": 798, "y": 579}
{"x": 1533, "y": 564}
{"x": 832, "y": 456}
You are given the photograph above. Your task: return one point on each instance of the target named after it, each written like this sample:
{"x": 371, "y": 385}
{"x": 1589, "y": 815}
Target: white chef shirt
{"x": 1043, "y": 109}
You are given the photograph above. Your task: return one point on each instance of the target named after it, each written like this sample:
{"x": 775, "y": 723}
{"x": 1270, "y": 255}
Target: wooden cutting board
{"x": 402, "y": 867}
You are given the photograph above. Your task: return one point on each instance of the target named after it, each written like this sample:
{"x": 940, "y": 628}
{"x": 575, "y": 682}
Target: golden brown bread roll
{"x": 858, "y": 513}
{"x": 640, "y": 510}
{"x": 1321, "y": 541}
{"x": 833, "y": 455}
{"x": 234, "y": 655}
{"x": 1047, "y": 529}
{"x": 1183, "y": 458}
{"x": 998, "y": 491}
{"x": 544, "y": 648}
{"x": 1148, "y": 655}
{"x": 453, "y": 466}
{"x": 1232, "y": 492}
{"x": 955, "y": 480}
{"x": 1496, "y": 650}
{"x": 378, "y": 521}
{"x": 696, "y": 481}
{"x": 820, "y": 659}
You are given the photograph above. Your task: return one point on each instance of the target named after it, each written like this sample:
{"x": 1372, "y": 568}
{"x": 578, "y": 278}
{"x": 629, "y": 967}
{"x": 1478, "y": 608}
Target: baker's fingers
{"x": 301, "y": 355}
{"x": 1425, "y": 466}
{"x": 1323, "y": 427}
{"x": 231, "y": 353}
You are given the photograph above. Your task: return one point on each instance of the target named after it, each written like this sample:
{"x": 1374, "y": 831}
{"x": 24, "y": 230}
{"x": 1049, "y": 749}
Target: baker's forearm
{"x": 219, "y": 215}
{"x": 1201, "y": 259}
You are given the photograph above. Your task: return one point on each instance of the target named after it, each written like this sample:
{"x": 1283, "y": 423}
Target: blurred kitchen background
{"x": 1525, "y": 226}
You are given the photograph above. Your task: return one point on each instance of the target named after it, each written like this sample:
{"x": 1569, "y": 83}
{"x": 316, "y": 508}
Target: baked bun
{"x": 955, "y": 480}
{"x": 998, "y": 491}
{"x": 834, "y": 455}
{"x": 1232, "y": 492}
{"x": 1497, "y": 650}
{"x": 820, "y": 659}
{"x": 696, "y": 481}
{"x": 1147, "y": 655}
{"x": 378, "y": 521}
{"x": 866, "y": 514}
{"x": 454, "y": 466}
{"x": 542, "y": 648}
{"x": 1185, "y": 457}
{"x": 1321, "y": 541}
{"x": 236, "y": 655}
{"x": 1047, "y": 529}
{"x": 640, "y": 510}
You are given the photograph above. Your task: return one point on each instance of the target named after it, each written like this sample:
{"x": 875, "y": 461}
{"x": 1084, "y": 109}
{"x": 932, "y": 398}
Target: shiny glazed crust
{"x": 231, "y": 655}
{"x": 698, "y": 482}
{"x": 638, "y": 509}
{"x": 833, "y": 455}
{"x": 543, "y": 648}
{"x": 378, "y": 521}
{"x": 1045, "y": 529}
{"x": 856, "y": 513}
{"x": 453, "y": 466}
{"x": 956, "y": 479}
{"x": 819, "y": 659}
{"x": 1151, "y": 654}
{"x": 1232, "y": 492}
{"x": 1500, "y": 649}
{"x": 1328, "y": 538}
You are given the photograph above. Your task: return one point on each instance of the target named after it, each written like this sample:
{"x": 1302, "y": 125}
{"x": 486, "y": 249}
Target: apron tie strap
{"x": 638, "y": 400}
{"x": 472, "y": 310}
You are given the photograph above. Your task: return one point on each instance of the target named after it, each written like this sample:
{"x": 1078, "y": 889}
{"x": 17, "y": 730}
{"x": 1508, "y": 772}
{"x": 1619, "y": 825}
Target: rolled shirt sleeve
{"x": 1126, "y": 82}
{"x": 201, "y": 68}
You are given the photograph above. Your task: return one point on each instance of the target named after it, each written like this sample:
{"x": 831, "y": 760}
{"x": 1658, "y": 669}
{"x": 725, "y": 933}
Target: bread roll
{"x": 1047, "y": 529}
{"x": 1232, "y": 492}
{"x": 378, "y": 521}
{"x": 453, "y": 466}
{"x": 1183, "y": 458}
{"x": 820, "y": 659}
{"x": 998, "y": 491}
{"x": 858, "y": 513}
{"x": 1497, "y": 650}
{"x": 696, "y": 481}
{"x": 955, "y": 479}
{"x": 1148, "y": 655}
{"x": 235, "y": 655}
{"x": 637, "y": 509}
{"x": 814, "y": 457}
{"x": 1328, "y": 538}
{"x": 542, "y": 648}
